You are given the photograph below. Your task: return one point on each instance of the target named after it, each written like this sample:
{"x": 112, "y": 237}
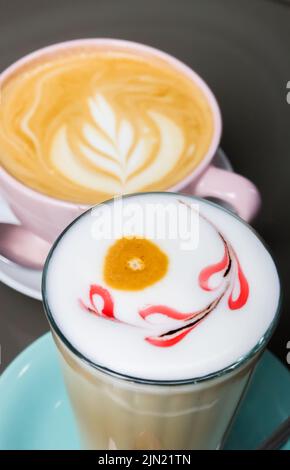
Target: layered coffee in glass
{"x": 160, "y": 305}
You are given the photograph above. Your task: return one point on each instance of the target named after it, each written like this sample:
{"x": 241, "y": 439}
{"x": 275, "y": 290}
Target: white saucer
{"x": 28, "y": 281}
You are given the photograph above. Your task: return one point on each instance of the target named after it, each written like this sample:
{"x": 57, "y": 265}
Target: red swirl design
{"x": 233, "y": 279}
{"x": 209, "y": 271}
{"x": 244, "y": 290}
{"x": 108, "y": 305}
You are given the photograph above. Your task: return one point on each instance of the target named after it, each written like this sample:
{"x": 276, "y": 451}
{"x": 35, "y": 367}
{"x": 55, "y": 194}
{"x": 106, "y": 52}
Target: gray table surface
{"x": 241, "y": 47}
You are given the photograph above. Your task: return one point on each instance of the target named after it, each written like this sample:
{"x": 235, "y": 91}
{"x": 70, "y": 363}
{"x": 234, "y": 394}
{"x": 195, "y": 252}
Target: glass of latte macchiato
{"x": 160, "y": 305}
{"x": 85, "y": 120}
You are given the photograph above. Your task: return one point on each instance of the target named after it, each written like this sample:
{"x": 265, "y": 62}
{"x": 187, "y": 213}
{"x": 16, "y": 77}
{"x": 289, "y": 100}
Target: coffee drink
{"x": 88, "y": 122}
{"x": 166, "y": 303}
{"x": 159, "y": 330}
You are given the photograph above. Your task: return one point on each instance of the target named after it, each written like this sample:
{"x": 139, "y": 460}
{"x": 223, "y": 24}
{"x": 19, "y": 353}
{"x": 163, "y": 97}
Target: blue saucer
{"x": 35, "y": 412}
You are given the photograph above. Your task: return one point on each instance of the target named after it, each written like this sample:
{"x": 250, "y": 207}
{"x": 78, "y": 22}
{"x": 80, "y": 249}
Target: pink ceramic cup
{"x": 47, "y": 217}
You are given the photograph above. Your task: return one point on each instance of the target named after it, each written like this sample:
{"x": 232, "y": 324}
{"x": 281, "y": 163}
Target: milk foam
{"x": 212, "y": 307}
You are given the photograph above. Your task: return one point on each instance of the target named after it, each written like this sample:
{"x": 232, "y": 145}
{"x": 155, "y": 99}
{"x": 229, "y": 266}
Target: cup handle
{"x": 234, "y": 189}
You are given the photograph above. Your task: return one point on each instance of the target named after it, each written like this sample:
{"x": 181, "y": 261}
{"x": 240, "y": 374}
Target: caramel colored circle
{"x": 134, "y": 264}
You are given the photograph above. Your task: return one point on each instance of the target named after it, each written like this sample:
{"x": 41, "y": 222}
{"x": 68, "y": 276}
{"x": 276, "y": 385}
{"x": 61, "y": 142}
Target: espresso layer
{"x": 88, "y": 124}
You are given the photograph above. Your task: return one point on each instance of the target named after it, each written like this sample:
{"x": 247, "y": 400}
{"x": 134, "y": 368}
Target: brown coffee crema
{"x": 87, "y": 124}
{"x": 134, "y": 263}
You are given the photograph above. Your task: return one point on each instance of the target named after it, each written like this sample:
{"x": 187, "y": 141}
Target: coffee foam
{"x": 89, "y": 124}
{"x": 211, "y": 306}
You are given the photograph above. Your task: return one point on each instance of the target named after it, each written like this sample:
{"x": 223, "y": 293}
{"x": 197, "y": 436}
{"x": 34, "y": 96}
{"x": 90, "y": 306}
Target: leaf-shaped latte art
{"x": 124, "y": 156}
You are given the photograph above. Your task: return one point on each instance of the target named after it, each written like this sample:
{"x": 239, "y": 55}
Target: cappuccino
{"x": 88, "y": 122}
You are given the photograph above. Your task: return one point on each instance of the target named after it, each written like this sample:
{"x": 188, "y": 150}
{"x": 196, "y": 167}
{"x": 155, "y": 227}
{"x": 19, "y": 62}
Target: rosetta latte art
{"x": 233, "y": 287}
{"x": 88, "y": 125}
{"x": 123, "y": 160}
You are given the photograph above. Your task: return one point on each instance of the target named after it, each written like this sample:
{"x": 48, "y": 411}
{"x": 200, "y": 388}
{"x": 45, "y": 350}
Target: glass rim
{"x": 238, "y": 363}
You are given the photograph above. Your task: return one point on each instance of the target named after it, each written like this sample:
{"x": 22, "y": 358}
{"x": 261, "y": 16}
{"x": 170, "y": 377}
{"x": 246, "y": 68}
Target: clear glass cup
{"x": 115, "y": 411}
